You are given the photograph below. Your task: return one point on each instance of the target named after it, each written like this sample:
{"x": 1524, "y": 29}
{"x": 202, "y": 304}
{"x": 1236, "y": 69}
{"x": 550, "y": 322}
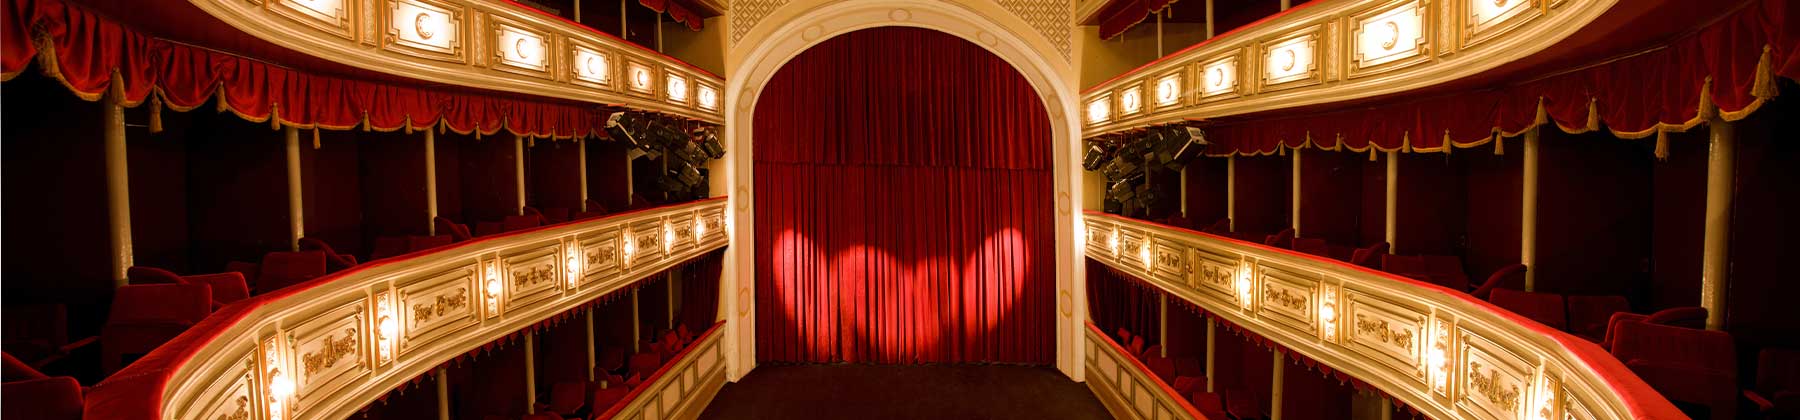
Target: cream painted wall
{"x": 1101, "y": 60}
{"x": 704, "y": 49}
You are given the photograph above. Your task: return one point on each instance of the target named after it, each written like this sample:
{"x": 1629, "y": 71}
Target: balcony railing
{"x": 486, "y": 44}
{"x": 1441, "y": 351}
{"x": 328, "y": 347}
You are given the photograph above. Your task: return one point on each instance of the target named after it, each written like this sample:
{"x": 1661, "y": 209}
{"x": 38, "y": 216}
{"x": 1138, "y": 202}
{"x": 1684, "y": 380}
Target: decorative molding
{"x": 485, "y": 44}
{"x": 1448, "y": 355}
{"x": 318, "y": 345}
{"x": 1127, "y": 388}
{"x": 1050, "y": 18}
{"x": 745, "y": 14}
{"x": 1453, "y": 41}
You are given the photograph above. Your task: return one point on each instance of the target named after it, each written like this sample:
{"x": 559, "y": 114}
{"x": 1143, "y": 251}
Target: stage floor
{"x": 871, "y": 392}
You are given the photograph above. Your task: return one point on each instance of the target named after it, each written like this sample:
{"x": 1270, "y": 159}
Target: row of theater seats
{"x": 1187, "y": 376}
{"x": 616, "y": 378}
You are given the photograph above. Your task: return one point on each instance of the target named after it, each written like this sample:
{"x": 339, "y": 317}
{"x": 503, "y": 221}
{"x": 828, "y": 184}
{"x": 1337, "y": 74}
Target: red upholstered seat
{"x": 1588, "y": 315}
{"x": 1162, "y": 367}
{"x": 1777, "y": 392}
{"x": 1178, "y": 221}
{"x": 605, "y": 398}
{"x": 145, "y": 316}
{"x": 1137, "y": 346}
{"x": 567, "y": 397}
{"x": 1208, "y": 404}
{"x": 1442, "y": 270}
{"x": 1313, "y": 246}
{"x": 13, "y": 369}
{"x": 139, "y": 274}
{"x": 57, "y": 398}
{"x": 645, "y": 363}
{"x": 1124, "y": 336}
{"x": 38, "y": 334}
{"x": 1512, "y": 276}
{"x": 458, "y": 232}
{"x": 1185, "y": 385}
{"x": 333, "y": 260}
{"x": 634, "y": 381}
{"x": 1282, "y": 239}
{"x": 1220, "y": 227}
{"x": 556, "y": 215}
{"x": 488, "y": 228}
{"x": 512, "y": 223}
{"x": 227, "y": 287}
{"x": 1188, "y": 366}
{"x": 1545, "y": 308}
{"x": 283, "y": 269}
{"x": 1371, "y": 256}
{"x": 1153, "y": 350}
{"x": 1684, "y": 364}
{"x": 611, "y": 359}
{"x": 1686, "y": 316}
{"x": 420, "y": 243}
{"x": 687, "y": 336}
{"x": 388, "y": 246}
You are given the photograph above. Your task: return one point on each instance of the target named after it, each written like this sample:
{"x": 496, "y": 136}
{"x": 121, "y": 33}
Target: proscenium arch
{"x": 772, "y": 44}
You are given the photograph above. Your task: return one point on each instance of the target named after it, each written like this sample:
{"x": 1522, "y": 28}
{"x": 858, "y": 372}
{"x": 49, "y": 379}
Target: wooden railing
{"x": 485, "y": 44}
{"x": 682, "y": 387}
{"x": 1126, "y": 386}
{"x": 326, "y": 348}
{"x": 1441, "y": 351}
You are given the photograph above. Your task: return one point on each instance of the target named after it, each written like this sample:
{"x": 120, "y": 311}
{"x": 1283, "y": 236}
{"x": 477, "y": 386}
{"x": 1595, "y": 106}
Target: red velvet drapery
{"x": 1727, "y": 68}
{"x": 678, "y": 10}
{"x": 1119, "y": 301}
{"x": 903, "y": 209}
{"x": 94, "y": 56}
{"x": 1117, "y": 16}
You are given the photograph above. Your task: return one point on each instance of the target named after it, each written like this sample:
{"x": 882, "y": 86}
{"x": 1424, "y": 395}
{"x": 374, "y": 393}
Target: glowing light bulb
{"x": 699, "y": 228}
{"x": 1113, "y": 242}
{"x": 387, "y": 327}
{"x": 668, "y": 237}
{"x": 1328, "y": 312}
{"x": 1144, "y": 254}
{"x": 493, "y": 287}
{"x": 574, "y": 265}
{"x": 280, "y": 386}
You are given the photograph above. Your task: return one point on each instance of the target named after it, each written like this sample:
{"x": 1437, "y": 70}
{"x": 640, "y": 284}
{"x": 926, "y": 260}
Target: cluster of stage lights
{"x": 1130, "y": 161}
{"x": 687, "y": 146}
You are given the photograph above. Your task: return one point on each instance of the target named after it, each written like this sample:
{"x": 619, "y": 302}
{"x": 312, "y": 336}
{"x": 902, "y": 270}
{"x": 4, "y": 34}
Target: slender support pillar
{"x": 1715, "y": 256}
{"x": 296, "y": 209}
{"x": 581, "y": 165}
{"x": 1387, "y": 409}
{"x": 592, "y": 363}
{"x": 630, "y": 184}
{"x": 1392, "y": 221}
{"x": 1285, "y": 4}
{"x": 530, "y": 374}
{"x": 1209, "y": 19}
{"x": 1162, "y": 324}
{"x": 1295, "y": 191}
{"x": 431, "y": 210}
{"x": 1184, "y": 194}
{"x": 659, "y": 47}
{"x": 1159, "y": 36}
{"x": 443, "y": 393}
{"x": 636, "y": 324}
{"x": 1279, "y": 370}
{"x": 519, "y": 170}
{"x": 577, "y": 10}
{"x": 1528, "y": 209}
{"x": 624, "y": 20}
{"x": 1230, "y": 179}
{"x": 118, "y": 191}
{"x": 673, "y": 274}
{"x": 1211, "y": 342}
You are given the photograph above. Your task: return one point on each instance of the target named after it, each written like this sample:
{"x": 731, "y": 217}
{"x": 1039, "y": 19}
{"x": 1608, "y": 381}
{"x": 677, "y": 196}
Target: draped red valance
{"x": 1728, "y": 68}
{"x": 94, "y": 56}
{"x": 1118, "y": 16}
{"x": 677, "y": 10}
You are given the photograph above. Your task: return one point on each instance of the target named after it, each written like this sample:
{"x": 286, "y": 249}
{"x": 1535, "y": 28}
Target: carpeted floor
{"x": 869, "y": 392}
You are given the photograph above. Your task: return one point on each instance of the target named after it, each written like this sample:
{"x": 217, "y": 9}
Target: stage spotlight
{"x": 1123, "y": 191}
{"x": 1176, "y": 145}
{"x": 624, "y": 126}
{"x": 1121, "y": 167}
{"x": 709, "y": 143}
{"x": 1095, "y": 157}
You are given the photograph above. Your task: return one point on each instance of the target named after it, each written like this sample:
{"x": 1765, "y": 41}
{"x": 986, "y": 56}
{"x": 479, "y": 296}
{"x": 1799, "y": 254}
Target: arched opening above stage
{"x": 905, "y": 211}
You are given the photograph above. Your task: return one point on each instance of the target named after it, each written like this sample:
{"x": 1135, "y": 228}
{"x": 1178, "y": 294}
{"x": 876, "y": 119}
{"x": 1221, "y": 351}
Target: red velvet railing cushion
{"x": 57, "y": 398}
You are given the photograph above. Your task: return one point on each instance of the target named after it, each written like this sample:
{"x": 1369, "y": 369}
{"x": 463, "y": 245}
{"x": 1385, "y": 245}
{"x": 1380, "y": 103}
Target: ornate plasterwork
{"x": 1049, "y": 17}
{"x": 746, "y": 13}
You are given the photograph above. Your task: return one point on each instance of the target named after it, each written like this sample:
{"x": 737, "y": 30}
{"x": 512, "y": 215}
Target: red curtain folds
{"x": 1118, "y": 16}
{"x": 1117, "y": 300}
{"x": 700, "y": 291}
{"x": 903, "y": 210}
{"x": 678, "y": 10}
{"x": 93, "y": 56}
{"x": 1727, "y": 68}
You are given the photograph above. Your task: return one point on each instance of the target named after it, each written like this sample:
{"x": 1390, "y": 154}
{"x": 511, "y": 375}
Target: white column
{"x": 581, "y": 165}
{"x": 1162, "y": 324}
{"x": 1278, "y": 369}
{"x": 519, "y": 170}
{"x": 1230, "y": 184}
{"x": 1211, "y": 343}
{"x": 118, "y": 190}
{"x": 296, "y": 209}
{"x": 1528, "y": 209}
{"x": 1391, "y": 231}
{"x": 530, "y": 374}
{"x": 636, "y": 324}
{"x": 443, "y": 394}
{"x": 1209, "y": 19}
{"x": 1295, "y": 190}
{"x": 431, "y": 210}
{"x": 590, "y": 344}
{"x": 1715, "y": 256}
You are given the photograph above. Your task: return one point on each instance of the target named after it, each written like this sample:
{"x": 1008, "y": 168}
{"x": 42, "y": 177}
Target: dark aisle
{"x": 871, "y": 392}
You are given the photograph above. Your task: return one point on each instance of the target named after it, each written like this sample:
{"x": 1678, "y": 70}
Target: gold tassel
{"x": 1764, "y": 86}
{"x": 274, "y": 116}
{"x": 1662, "y": 144}
{"x": 220, "y": 90}
{"x": 1593, "y": 120}
{"x": 531, "y": 142}
{"x": 1372, "y": 151}
{"x": 155, "y": 114}
{"x": 1447, "y": 143}
{"x": 365, "y": 122}
{"x": 1281, "y": 150}
{"x": 1543, "y": 115}
{"x": 1499, "y": 144}
{"x": 1707, "y": 110}
{"x": 315, "y": 137}
{"x": 407, "y": 124}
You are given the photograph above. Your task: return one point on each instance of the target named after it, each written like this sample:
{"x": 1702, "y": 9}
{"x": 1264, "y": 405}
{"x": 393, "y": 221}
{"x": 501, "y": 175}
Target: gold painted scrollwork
{"x": 1379, "y": 329}
{"x": 1488, "y": 386}
{"x": 329, "y": 354}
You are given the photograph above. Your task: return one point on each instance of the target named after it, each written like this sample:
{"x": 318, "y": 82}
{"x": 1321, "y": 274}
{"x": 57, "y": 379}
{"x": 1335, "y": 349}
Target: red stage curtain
{"x": 1727, "y": 68}
{"x": 903, "y": 209}
{"x": 94, "y": 56}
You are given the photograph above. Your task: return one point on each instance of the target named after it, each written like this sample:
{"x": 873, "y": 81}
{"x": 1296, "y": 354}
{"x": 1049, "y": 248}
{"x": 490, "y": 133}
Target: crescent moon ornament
{"x": 589, "y": 65}
{"x": 422, "y": 26}
{"x": 519, "y": 48}
{"x": 1218, "y": 77}
{"x": 1394, "y": 30}
{"x": 1289, "y": 65}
